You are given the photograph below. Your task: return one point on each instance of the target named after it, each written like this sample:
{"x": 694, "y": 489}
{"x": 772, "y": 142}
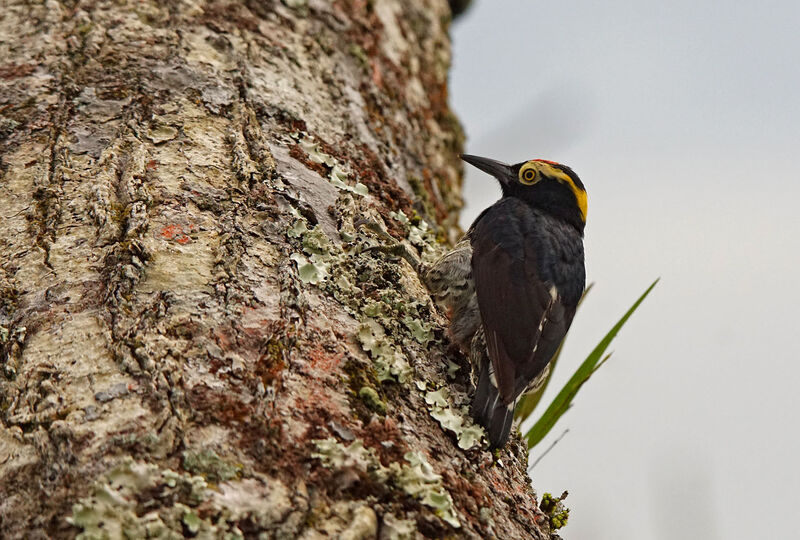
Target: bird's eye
{"x": 527, "y": 175}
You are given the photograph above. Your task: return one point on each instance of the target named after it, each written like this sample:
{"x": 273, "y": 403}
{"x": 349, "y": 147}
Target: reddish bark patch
{"x": 323, "y": 360}
{"x": 384, "y": 436}
{"x": 317, "y": 413}
{"x": 223, "y": 337}
{"x": 177, "y": 233}
{"x": 259, "y": 193}
{"x": 291, "y": 123}
{"x": 297, "y": 152}
{"x": 264, "y": 440}
{"x": 470, "y": 496}
{"x": 371, "y": 172}
{"x": 210, "y": 404}
{"x": 377, "y": 75}
{"x": 270, "y": 366}
{"x": 264, "y": 348}
{"x": 15, "y": 71}
{"x": 225, "y": 15}
{"x": 438, "y": 206}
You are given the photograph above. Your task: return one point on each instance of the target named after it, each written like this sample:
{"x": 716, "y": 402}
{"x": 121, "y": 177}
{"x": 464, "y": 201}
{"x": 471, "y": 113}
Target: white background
{"x": 683, "y": 120}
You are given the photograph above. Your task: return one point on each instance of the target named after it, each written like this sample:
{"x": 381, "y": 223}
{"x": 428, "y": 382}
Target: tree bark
{"x": 209, "y": 325}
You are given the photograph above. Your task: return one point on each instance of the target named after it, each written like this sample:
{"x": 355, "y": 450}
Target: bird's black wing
{"x": 523, "y": 317}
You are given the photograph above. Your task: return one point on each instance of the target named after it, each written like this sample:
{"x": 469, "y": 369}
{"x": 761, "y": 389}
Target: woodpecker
{"x": 512, "y": 284}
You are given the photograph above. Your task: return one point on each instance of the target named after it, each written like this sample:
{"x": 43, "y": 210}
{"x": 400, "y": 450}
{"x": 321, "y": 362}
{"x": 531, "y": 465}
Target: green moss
{"x": 275, "y": 349}
{"x": 359, "y": 375}
{"x": 300, "y": 6}
{"x": 422, "y": 196}
{"x": 208, "y": 464}
{"x": 555, "y": 510}
{"x": 358, "y": 53}
{"x": 372, "y": 400}
{"x": 451, "y": 124}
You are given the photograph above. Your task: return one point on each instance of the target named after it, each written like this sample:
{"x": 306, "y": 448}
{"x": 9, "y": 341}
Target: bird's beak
{"x": 498, "y": 169}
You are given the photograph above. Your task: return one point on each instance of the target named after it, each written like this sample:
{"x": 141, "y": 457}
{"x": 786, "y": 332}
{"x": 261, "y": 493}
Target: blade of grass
{"x": 529, "y": 401}
{"x": 564, "y": 398}
{"x": 552, "y": 445}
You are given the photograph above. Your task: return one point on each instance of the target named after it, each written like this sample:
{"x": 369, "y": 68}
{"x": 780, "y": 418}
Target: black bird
{"x": 513, "y": 282}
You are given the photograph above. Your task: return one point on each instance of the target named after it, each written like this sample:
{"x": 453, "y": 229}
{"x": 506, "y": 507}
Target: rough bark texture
{"x": 205, "y": 326}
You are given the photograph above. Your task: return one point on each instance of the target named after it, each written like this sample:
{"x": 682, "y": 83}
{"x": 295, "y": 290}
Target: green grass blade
{"x": 528, "y": 402}
{"x": 564, "y": 398}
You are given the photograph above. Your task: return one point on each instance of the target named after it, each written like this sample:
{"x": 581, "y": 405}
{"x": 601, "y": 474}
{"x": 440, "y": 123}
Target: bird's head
{"x": 545, "y": 185}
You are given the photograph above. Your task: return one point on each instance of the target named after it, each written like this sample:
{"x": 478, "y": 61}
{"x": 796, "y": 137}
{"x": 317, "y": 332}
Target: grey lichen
{"x": 161, "y": 133}
{"x": 338, "y": 456}
{"x": 390, "y": 364}
{"x": 416, "y": 477}
{"x": 456, "y": 420}
{"x": 394, "y": 528}
{"x": 364, "y": 525}
{"x": 338, "y": 177}
{"x": 309, "y": 270}
{"x": 111, "y": 510}
{"x": 388, "y": 321}
{"x": 419, "y": 480}
{"x": 191, "y": 520}
{"x": 420, "y": 234}
{"x": 420, "y": 330}
{"x": 315, "y": 261}
{"x": 394, "y": 315}
{"x": 178, "y": 502}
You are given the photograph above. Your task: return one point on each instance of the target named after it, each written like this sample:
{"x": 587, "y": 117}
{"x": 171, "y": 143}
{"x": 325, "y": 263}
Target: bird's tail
{"x": 488, "y": 409}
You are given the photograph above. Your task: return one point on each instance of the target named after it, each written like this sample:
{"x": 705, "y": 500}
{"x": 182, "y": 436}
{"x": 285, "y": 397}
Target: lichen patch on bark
{"x": 213, "y": 214}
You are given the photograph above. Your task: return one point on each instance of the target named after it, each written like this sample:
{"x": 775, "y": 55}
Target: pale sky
{"x": 682, "y": 119}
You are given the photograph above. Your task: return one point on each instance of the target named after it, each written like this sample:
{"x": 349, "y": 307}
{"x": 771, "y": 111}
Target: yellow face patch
{"x": 533, "y": 171}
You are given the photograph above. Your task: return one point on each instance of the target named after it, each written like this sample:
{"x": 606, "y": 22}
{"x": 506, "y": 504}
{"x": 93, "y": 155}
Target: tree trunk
{"x": 209, "y": 324}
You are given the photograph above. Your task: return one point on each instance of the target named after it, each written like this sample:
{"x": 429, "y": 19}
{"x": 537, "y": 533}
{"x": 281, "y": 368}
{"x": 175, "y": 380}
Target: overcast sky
{"x": 682, "y": 118}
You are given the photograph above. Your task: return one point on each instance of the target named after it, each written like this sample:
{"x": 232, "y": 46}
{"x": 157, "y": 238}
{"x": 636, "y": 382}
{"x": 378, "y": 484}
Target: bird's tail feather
{"x": 489, "y": 411}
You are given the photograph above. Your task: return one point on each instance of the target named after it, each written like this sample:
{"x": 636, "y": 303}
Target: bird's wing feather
{"x": 523, "y": 317}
